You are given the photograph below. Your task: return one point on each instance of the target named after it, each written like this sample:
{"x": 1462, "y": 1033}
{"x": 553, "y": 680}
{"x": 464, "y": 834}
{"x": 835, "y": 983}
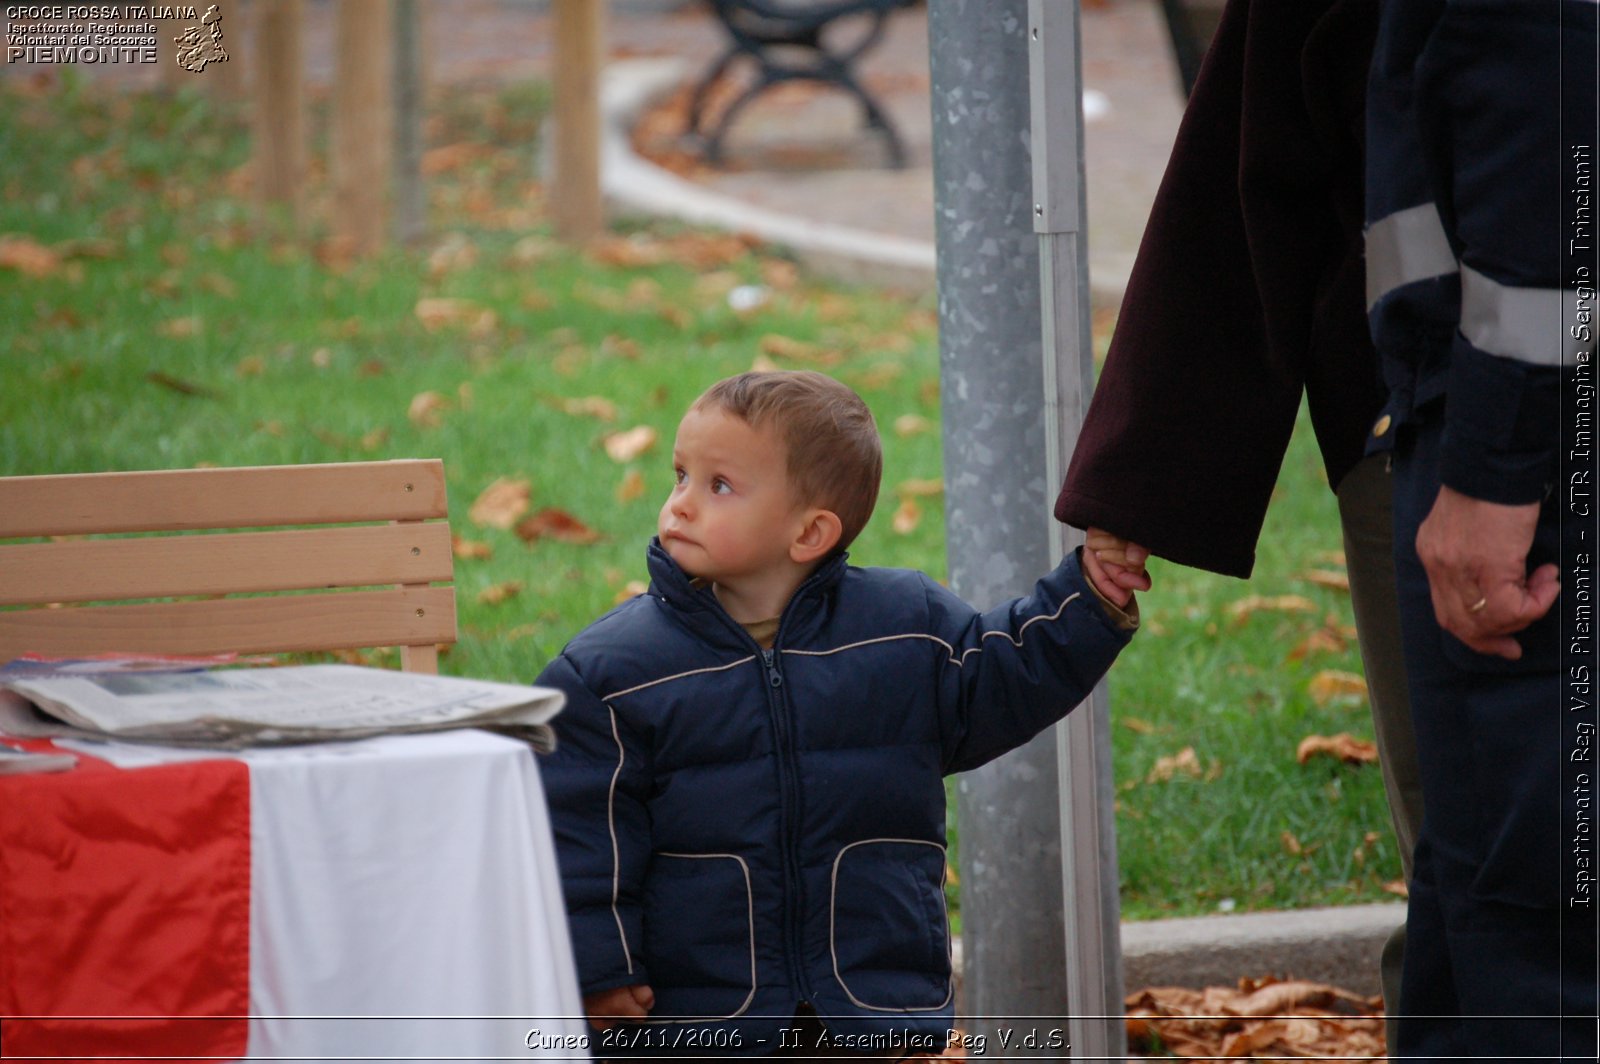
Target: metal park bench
{"x": 784, "y": 38}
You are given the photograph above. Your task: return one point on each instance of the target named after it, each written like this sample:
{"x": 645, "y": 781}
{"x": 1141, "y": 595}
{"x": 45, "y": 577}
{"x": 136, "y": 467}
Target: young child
{"x": 748, "y": 786}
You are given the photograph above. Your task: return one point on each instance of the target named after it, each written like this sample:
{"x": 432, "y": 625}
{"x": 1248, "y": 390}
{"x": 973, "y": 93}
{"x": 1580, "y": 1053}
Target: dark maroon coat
{"x": 1247, "y": 291}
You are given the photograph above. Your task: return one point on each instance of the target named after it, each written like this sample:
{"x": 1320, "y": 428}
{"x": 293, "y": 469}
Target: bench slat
{"x": 178, "y": 499}
{"x": 242, "y": 562}
{"x": 283, "y": 624}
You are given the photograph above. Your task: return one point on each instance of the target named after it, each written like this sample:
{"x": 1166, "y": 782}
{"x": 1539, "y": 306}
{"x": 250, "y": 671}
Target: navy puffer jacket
{"x": 745, "y": 830}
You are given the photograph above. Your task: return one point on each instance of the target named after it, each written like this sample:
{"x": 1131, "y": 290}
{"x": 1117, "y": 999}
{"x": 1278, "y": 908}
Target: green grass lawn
{"x": 149, "y": 319}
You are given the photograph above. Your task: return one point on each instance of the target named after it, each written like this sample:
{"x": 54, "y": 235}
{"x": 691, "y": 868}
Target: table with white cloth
{"x": 393, "y": 898}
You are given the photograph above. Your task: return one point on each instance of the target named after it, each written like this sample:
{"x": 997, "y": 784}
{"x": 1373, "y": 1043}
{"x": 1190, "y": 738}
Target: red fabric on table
{"x": 125, "y": 893}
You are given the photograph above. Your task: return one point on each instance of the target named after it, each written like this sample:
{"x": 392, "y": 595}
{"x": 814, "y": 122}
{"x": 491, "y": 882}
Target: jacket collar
{"x": 668, "y": 580}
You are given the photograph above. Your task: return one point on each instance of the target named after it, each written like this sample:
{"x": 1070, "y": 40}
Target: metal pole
{"x": 997, "y": 498}
{"x": 1088, "y": 821}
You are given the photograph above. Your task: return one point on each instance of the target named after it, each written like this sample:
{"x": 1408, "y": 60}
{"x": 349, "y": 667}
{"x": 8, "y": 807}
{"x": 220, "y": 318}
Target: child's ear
{"x": 818, "y": 536}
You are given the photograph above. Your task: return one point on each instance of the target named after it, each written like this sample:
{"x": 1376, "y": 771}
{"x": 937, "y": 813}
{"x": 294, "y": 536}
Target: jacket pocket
{"x": 699, "y": 931}
{"x": 888, "y": 929}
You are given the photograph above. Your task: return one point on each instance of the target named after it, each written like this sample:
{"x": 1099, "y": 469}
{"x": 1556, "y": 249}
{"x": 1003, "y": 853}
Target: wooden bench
{"x": 195, "y": 590}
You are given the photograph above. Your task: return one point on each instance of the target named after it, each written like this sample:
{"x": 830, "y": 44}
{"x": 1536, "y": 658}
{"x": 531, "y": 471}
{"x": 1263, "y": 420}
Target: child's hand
{"x": 1115, "y": 566}
{"x": 619, "y": 1003}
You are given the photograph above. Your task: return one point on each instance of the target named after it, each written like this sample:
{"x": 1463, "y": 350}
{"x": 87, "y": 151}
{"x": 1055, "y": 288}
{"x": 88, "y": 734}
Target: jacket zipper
{"x": 788, "y": 777}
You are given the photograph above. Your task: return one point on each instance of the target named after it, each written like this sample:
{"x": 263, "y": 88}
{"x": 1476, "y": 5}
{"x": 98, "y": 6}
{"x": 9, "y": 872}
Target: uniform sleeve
{"x": 1497, "y": 85}
{"x": 596, "y": 781}
{"x": 1021, "y": 666}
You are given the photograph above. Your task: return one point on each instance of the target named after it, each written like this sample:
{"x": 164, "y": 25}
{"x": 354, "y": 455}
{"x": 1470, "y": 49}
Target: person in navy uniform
{"x": 1480, "y": 261}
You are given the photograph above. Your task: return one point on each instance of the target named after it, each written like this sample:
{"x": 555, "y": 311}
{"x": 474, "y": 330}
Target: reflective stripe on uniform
{"x": 1533, "y": 325}
{"x": 1407, "y": 246}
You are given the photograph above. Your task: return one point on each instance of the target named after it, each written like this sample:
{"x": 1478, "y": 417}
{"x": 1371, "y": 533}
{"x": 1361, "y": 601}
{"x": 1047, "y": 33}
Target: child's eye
{"x": 721, "y": 487}
{"x": 679, "y": 476}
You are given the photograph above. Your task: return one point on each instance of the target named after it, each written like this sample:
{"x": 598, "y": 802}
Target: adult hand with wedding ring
{"x": 1476, "y": 556}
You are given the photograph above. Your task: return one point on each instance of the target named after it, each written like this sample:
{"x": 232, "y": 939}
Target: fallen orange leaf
{"x": 1328, "y": 578}
{"x": 1259, "y": 1018}
{"x": 629, "y": 444}
{"x": 1343, "y": 746}
{"x": 780, "y": 273}
{"x": 426, "y": 409}
{"x": 1325, "y": 640}
{"x": 1246, "y": 1042}
{"x": 1242, "y": 610}
{"x": 621, "y": 347}
{"x": 557, "y": 525}
{"x": 589, "y": 406}
{"x": 907, "y": 517}
{"x": 636, "y": 250}
{"x": 436, "y": 313}
{"x": 1329, "y": 684}
{"x": 501, "y": 503}
{"x": 632, "y": 486}
{"x": 495, "y": 594}
{"x": 911, "y": 424}
{"x": 180, "y": 328}
{"x": 920, "y": 487}
{"x": 793, "y": 350}
{"x": 1166, "y": 768}
{"x": 632, "y": 589}
{"x": 470, "y": 549}
{"x": 880, "y": 376}
{"x": 26, "y": 255}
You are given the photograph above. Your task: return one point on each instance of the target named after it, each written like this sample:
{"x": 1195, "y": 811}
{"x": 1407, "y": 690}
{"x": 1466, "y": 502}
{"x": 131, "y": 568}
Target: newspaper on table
{"x": 257, "y": 706}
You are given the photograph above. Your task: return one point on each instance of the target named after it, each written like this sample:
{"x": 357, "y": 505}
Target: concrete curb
{"x": 1340, "y": 946}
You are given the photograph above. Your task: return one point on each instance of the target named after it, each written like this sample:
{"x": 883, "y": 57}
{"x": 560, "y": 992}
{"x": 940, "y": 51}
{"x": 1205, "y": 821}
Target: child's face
{"x": 731, "y": 513}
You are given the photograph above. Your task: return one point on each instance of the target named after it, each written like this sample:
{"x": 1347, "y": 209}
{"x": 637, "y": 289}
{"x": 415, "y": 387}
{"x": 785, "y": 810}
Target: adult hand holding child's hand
{"x": 1115, "y": 565}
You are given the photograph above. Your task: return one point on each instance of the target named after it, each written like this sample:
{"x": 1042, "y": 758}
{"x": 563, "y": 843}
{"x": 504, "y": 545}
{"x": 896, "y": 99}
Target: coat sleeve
{"x": 1020, "y": 667}
{"x": 596, "y": 781}
{"x": 1244, "y": 294}
{"x": 1496, "y": 86}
